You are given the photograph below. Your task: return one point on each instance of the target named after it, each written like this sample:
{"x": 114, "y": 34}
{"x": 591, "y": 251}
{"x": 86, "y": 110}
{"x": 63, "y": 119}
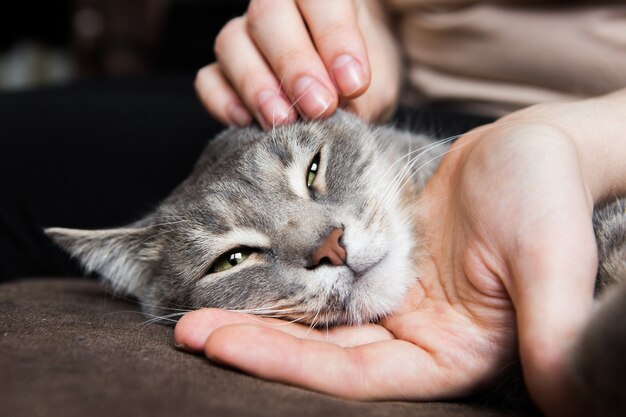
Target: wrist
{"x": 597, "y": 126}
{"x": 600, "y": 138}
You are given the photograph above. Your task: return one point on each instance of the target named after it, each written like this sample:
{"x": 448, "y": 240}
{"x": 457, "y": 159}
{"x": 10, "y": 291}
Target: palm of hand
{"x": 490, "y": 220}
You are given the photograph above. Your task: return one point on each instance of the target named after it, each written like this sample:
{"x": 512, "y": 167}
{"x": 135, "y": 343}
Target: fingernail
{"x": 182, "y": 346}
{"x": 348, "y": 74}
{"x": 238, "y": 115}
{"x": 311, "y": 97}
{"x": 274, "y": 108}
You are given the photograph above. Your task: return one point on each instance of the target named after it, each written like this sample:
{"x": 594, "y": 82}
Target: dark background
{"x": 98, "y": 117}
{"x": 43, "y": 42}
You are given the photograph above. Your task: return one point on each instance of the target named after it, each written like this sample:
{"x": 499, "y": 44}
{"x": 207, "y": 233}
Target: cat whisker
{"x": 414, "y": 158}
{"x": 181, "y": 310}
{"x": 275, "y": 307}
{"x": 313, "y": 322}
{"x": 400, "y": 180}
{"x": 408, "y": 156}
{"x": 269, "y": 313}
{"x": 397, "y": 189}
{"x": 178, "y": 308}
{"x": 295, "y": 320}
{"x": 157, "y": 318}
{"x": 434, "y": 158}
{"x": 411, "y": 158}
{"x": 151, "y": 237}
{"x": 419, "y": 150}
{"x": 297, "y": 100}
{"x": 167, "y": 223}
{"x": 398, "y": 184}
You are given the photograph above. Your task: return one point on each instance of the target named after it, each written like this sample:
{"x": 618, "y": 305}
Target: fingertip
{"x": 274, "y": 109}
{"x": 349, "y": 75}
{"x": 238, "y": 115}
{"x": 219, "y": 98}
{"x": 193, "y": 329}
{"x": 183, "y": 334}
{"x": 314, "y": 99}
{"x": 337, "y": 33}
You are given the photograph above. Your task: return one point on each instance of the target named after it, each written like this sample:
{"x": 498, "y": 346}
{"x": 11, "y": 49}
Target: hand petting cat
{"x": 286, "y": 58}
{"x": 512, "y": 256}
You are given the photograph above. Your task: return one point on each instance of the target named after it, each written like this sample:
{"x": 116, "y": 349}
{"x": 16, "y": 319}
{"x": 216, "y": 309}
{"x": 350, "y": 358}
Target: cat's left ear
{"x": 125, "y": 257}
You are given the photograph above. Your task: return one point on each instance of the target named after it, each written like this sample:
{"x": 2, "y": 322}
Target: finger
{"x": 378, "y": 102}
{"x": 219, "y": 99}
{"x": 251, "y": 77}
{"x": 193, "y": 329}
{"x": 339, "y": 42}
{"x": 384, "y": 370}
{"x": 280, "y": 33}
{"x": 553, "y": 294}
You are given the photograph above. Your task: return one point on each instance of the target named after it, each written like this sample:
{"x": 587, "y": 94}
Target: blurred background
{"x": 57, "y": 41}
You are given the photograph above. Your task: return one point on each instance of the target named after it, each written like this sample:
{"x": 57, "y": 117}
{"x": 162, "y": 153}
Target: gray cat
{"x": 312, "y": 221}
{"x": 264, "y": 218}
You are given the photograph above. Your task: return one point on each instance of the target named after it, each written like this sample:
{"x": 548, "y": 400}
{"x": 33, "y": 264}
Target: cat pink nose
{"x": 330, "y": 251}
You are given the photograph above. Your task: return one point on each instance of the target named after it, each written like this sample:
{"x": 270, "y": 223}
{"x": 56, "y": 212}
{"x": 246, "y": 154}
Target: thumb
{"x": 553, "y": 283}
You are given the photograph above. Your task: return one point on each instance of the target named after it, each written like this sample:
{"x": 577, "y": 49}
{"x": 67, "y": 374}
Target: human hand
{"x": 506, "y": 225}
{"x": 514, "y": 217}
{"x": 286, "y": 58}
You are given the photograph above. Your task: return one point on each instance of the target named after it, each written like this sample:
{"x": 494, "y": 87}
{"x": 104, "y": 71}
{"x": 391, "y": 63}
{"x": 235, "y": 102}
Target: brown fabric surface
{"x": 69, "y": 349}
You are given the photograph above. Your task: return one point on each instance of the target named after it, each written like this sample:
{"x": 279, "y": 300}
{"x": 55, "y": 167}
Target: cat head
{"x": 303, "y": 222}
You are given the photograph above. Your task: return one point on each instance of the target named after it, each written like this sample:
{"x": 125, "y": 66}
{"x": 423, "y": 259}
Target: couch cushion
{"x": 67, "y": 348}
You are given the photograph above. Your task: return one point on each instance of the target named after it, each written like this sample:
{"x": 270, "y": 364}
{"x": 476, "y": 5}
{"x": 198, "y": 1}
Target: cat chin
{"x": 381, "y": 290}
{"x": 357, "y": 297}
{"x": 354, "y": 298}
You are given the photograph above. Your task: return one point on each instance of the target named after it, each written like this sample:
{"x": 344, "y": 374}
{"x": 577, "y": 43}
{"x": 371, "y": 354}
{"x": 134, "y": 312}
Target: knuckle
{"x": 337, "y": 30}
{"x": 291, "y": 59}
{"x": 226, "y": 34}
{"x": 249, "y": 87}
{"x": 257, "y": 10}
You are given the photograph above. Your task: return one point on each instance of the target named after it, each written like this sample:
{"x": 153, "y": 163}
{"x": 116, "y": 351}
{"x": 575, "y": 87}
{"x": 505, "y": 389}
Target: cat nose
{"x": 330, "y": 251}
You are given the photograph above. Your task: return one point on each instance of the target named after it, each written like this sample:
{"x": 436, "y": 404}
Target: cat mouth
{"x": 359, "y": 271}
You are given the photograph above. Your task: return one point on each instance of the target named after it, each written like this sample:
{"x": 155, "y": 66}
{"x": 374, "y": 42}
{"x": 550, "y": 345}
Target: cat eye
{"x": 230, "y": 260}
{"x": 312, "y": 172}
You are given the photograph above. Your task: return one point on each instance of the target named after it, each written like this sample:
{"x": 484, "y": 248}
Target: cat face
{"x": 304, "y": 222}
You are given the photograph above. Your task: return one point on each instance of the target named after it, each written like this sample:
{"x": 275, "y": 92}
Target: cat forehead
{"x": 249, "y": 177}
{"x": 236, "y": 190}
{"x": 279, "y": 145}
{"x": 245, "y": 147}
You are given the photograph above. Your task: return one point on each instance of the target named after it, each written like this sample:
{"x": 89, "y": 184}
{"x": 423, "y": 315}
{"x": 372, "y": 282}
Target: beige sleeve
{"x": 502, "y": 56}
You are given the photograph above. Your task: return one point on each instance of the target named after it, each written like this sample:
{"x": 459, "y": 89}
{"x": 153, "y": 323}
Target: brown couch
{"x": 67, "y": 348}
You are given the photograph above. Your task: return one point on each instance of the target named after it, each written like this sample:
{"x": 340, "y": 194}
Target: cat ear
{"x": 124, "y": 257}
